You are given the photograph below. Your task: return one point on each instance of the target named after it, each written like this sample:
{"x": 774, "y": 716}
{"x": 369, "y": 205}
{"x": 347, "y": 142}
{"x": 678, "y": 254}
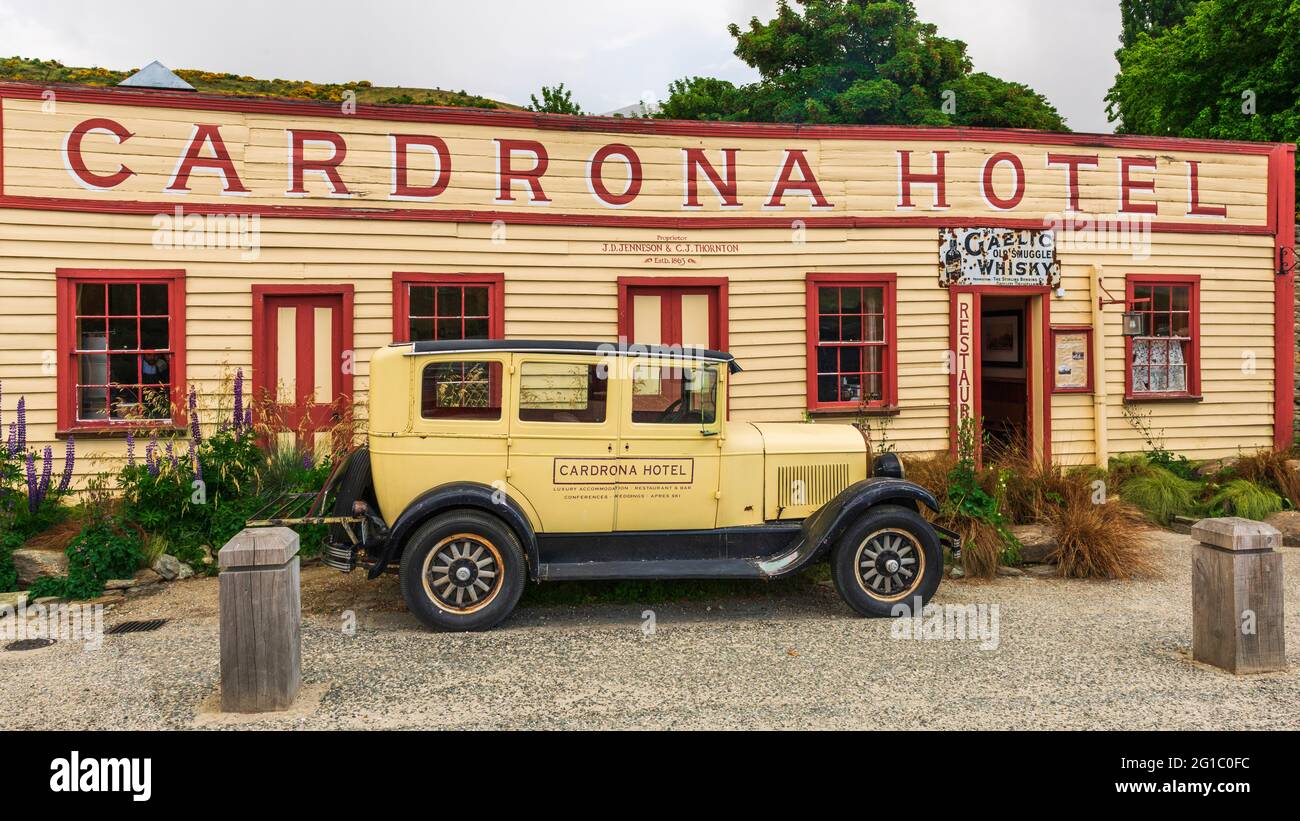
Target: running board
{"x": 651, "y": 569}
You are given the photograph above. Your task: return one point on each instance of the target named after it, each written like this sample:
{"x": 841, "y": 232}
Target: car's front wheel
{"x": 462, "y": 571}
{"x": 890, "y": 556}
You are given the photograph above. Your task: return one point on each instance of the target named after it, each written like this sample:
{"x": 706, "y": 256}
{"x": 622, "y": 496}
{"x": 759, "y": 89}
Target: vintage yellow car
{"x": 493, "y": 462}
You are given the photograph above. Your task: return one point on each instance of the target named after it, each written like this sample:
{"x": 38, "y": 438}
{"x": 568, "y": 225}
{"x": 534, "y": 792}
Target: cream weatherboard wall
{"x": 562, "y": 256}
{"x": 559, "y": 285}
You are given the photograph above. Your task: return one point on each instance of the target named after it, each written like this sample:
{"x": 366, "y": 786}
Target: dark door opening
{"x": 1004, "y": 372}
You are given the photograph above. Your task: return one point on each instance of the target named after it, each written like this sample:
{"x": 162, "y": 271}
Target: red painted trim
{"x": 66, "y": 332}
{"x": 1050, "y": 371}
{"x": 1194, "y": 364}
{"x": 590, "y": 220}
{"x": 621, "y": 125}
{"x": 889, "y": 396}
{"x": 402, "y": 305}
{"x": 261, "y": 340}
{"x": 721, "y": 318}
{"x": 1282, "y": 163}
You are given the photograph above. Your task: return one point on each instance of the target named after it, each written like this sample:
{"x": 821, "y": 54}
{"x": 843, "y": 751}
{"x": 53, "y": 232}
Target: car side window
{"x": 562, "y": 392}
{"x": 674, "y": 395}
{"x": 461, "y": 390}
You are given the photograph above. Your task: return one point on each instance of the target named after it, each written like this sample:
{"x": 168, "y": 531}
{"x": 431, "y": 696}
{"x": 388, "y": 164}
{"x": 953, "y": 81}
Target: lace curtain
{"x": 1159, "y": 366}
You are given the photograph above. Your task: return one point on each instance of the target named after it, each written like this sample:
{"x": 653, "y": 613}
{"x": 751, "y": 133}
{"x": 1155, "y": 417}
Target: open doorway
{"x": 1005, "y": 351}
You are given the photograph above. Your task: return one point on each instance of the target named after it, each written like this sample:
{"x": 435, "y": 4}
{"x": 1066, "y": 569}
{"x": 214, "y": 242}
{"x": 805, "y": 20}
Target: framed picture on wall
{"x": 1072, "y": 359}
{"x": 1002, "y": 336}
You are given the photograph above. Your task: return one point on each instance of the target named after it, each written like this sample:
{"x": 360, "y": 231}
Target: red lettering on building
{"x": 193, "y": 160}
{"x": 402, "y": 187}
{"x": 596, "y": 172}
{"x": 907, "y": 178}
{"x": 76, "y": 164}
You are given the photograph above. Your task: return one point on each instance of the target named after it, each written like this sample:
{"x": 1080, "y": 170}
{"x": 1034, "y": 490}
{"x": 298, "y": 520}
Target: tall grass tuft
{"x": 1269, "y": 468}
{"x": 1160, "y": 494}
{"x": 1101, "y": 541}
{"x": 1241, "y": 497}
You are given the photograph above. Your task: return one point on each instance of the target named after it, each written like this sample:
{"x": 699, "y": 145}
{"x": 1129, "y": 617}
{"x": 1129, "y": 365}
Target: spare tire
{"x": 353, "y": 485}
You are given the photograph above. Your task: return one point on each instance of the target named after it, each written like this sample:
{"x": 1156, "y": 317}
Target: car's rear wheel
{"x": 890, "y": 556}
{"x": 462, "y": 571}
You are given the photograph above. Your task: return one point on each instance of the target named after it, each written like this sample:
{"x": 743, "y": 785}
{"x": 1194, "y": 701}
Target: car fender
{"x": 473, "y": 495}
{"x": 821, "y": 530}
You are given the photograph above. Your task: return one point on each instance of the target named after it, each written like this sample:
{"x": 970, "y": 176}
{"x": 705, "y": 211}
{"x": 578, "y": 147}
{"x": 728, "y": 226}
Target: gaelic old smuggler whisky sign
{"x": 998, "y": 256}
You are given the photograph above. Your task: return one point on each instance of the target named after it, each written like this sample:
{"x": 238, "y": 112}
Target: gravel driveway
{"x": 1069, "y": 654}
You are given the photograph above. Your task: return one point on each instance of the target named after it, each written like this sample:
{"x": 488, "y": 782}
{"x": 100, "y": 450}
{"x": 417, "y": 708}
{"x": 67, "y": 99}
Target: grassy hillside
{"x": 21, "y": 69}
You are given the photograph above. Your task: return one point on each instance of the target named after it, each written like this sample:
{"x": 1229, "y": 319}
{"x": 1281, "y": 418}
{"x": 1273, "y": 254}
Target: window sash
{"x": 151, "y": 399}
{"x": 867, "y": 380}
{"x": 1164, "y": 361}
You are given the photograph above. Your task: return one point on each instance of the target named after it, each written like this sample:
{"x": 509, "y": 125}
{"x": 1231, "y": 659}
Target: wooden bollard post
{"x": 261, "y": 612}
{"x": 1237, "y": 596}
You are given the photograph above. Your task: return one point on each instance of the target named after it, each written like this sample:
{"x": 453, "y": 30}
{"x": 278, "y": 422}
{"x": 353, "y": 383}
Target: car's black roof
{"x": 568, "y": 347}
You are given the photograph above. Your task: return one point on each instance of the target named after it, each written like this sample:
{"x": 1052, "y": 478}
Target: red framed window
{"x": 448, "y": 306}
{"x": 121, "y": 348}
{"x": 1164, "y": 362}
{"x": 852, "y": 343}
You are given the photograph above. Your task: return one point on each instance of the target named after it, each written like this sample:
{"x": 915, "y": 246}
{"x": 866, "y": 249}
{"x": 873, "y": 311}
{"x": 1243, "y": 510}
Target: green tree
{"x": 1151, "y": 17}
{"x": 1230, "y": 71}
{"x": 857, "y": 61}
{"x": 555, "y": 100}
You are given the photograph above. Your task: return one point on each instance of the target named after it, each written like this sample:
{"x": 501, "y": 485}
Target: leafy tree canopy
{"x": 857, "y": 61}
{"x": 555, "y": 100}
{"x": 1151, "y": 17}
{"x": 1230, "y": 71}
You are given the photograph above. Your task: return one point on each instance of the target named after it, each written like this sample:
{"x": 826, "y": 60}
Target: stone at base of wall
{"x": 1037, "y": 545}
{"x": 32, "y": 564}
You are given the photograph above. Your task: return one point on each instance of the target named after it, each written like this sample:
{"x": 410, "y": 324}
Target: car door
{"x": 670, "y": 435}
{"x": 564, "y": 439}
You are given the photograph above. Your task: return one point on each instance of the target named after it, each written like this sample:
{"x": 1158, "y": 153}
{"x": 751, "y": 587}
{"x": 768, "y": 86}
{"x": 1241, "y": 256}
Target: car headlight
{"x": 888, "y": 465}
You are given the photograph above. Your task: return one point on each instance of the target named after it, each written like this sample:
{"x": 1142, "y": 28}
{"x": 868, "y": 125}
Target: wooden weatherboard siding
{"x": 561, "y": 262}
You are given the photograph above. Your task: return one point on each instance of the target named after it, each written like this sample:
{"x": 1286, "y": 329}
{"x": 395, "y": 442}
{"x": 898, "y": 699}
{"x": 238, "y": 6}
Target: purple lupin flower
{"x": 195, "y": 434}
{"x": 22, "y": 424}
{"x": 130, "y": 448}
{"x": 11, "y": 445}
{"x": 151, "y": 455}
{"x": 32, "y": 501}
{"x": 248, "y": 418}
{"x": 239, "y": 400}
{"x": 47, "y": 471}
{"x": 70, "y": 459}
{"x": 307, "y": 461}
{"x": 170, "y": 453}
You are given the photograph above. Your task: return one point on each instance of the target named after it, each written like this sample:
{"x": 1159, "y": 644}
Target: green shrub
{"x": 1246, "y": 499}
{"x": 1160, "y": 494}
{"x": 105, "y": 549}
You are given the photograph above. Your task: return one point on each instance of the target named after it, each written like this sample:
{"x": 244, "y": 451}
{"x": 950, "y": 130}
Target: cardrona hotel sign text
{"x": 132, "y": 154}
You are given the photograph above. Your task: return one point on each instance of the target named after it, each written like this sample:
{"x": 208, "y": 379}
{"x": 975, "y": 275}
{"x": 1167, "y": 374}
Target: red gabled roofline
{"x": 621, "y": 125}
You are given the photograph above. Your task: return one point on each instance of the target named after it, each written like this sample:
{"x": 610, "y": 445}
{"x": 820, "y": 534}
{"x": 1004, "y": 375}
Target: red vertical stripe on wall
{"x": 1282, "y": 183}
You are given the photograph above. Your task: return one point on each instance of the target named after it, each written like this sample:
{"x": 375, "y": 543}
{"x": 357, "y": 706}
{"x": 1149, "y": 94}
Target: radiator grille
{"x": 809, "y": 485}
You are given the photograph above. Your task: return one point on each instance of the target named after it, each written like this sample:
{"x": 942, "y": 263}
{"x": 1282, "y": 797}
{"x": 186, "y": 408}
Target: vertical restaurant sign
{"x": 998, "y": 256}
{"x": 964, "y": 356}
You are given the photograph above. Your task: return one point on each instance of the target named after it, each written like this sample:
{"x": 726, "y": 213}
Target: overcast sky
{"x": 612, "y": 53}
